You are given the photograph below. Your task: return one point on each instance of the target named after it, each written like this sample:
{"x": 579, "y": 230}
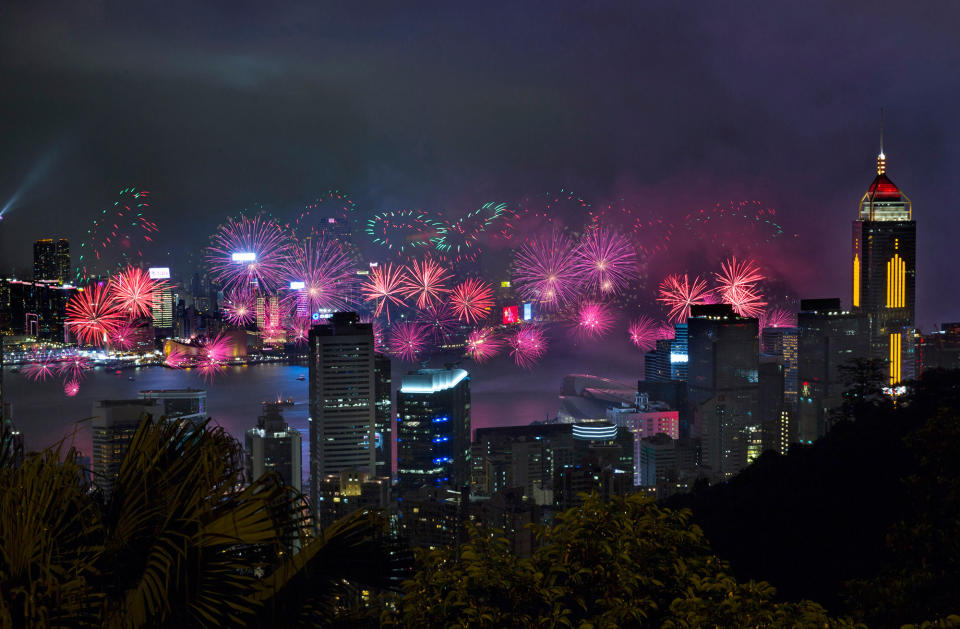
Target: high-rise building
{"x": 187, "y": 404}
{"x": 51, "y": 260}
{"x": 342, "y": 399}
{"x": 114, "y": 423}
{"x": 433, "y": 428}
{"x": 829, "y": 338}
{"x": 781, "y": 343}
{"x": 273, "y": 446}
{"x": 163, "y": 310}
{"x": 722, "y": 383}
{"x": 885, "y": 272}
{"x": 383, "y": 429}
{"x": 669, "y": 360}
{"x": 34, "y": 309}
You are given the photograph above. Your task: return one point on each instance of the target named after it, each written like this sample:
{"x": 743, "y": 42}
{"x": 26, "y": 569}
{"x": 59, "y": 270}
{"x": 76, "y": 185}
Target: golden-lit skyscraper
{"x": 885, "y": 272}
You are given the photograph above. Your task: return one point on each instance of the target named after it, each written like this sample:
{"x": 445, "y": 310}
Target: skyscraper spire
{"x": 881, "y": 158}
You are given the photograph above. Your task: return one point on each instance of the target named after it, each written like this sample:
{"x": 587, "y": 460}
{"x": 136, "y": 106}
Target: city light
{"x": 159, "y": 273}
{"x": 244, "y": 256}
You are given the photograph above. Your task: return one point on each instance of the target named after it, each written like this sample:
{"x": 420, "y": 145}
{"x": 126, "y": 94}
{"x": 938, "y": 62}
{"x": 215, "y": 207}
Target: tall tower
{"x": 885, "y": 272}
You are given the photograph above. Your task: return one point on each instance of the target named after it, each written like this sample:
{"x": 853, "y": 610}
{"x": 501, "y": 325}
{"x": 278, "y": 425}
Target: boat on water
{"x": 301, "y": 378}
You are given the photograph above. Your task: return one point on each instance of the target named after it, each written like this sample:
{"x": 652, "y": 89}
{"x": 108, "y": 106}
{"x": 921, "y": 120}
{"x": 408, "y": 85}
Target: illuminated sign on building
{"x": 510, "y": 315}
{"x": 527, "y": 311}
{"x": 297, "y": 285}
{"x": 244, "y": 256}
{"x": 159, "y": 273}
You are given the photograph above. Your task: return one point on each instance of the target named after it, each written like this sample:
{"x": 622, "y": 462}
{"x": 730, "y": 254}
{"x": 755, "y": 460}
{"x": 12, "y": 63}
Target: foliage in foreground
{"x": 175, "y": 544}
{"x": 622, "y": 563}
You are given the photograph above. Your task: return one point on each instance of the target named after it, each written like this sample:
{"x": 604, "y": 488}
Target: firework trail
{"x": 472, "y": 300}
{"x": 440, "y": 320}
{"x": 737, "y": 286}
{"x": 645, "y": 332}
{"x": 383, "y": 287}
{"x": 483, "y": 344}
{"x": 261, "y": 247}
{"x": 239, "y": 308}
{"x": 425, "y": 281}
{"x": 593, "y": 319}
{"x": 778, "y": 318}
{"x": 73, "y": 367}
{"x": 326, "y": 272}
{"x": 678, "y": 293}
{"x": 135, "y": 292}
{"x": 407, "y": 340}
{"x": 528, "y": 344}
{"x": 71, "y": 388}
{"x": 93, "y": 314}
{"x": 545, "y": 270}
{"x": 41, "y": 366}
{"x": 399, "y": 230}
{"x": 606, "y": 260}
{"x": 120, "y": 233}
{"x": 124, "y": 335}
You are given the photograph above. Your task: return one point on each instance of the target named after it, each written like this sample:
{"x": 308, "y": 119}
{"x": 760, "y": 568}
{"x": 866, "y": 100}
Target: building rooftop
{"x": 432, "y": 380}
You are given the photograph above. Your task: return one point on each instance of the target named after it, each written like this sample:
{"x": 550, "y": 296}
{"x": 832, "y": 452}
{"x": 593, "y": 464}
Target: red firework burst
{"x": 71, "y": 388}
{"x": 135, "y": 292}
{"x": 124, "y": 336}
{"x": 778, "y": 318}
{"x": 593, "y": 319}
{"x": 93, "y": 314}
{"x": 737, "y": 286}
{"x": 407, "y": 340}
{"x": 545, "y": 270}
{"x": 73, "y": 367}
{"x": 606, "y": 261}
{"x": 246, "y": 251}
{"x": 528, "y": 343}
{"x": 383, "y": 286}
{"x": 424, "y": 279}
{"x": 678, "y": 293}
{"x": 440, "y": 320}
{"x": 472, "y": 300}
{"x": 239, "y": 308}
{"x": 645, "y": 332}
{"x": 41, "y": 366}
{"x": 326, "y": 272}
{"x": 483, "y": 344}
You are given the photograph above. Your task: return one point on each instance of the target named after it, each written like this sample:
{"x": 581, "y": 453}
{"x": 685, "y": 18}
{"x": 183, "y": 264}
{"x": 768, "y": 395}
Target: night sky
{"x": 673, "y": 104}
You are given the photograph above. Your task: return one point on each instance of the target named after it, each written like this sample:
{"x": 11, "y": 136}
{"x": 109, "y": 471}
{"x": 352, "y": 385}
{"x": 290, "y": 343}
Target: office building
{"x": 383, "y": 422}
{"x": 524, "y": 457}
{"x": 885, "y": 272}
{"x": 162, "y": 311}
{"x": 668, "y": 362}
{"x": 433, "y": 428}
{"x": 339, "y": 495}
{"x": 186, "y": 404}
{"x": 342, "y": 399}
{"x": 829, "y": 337}
{"x": 34, "y": 309}
{"x": 781, "y": 344}
{"x": 51, "y": 260}
{"x": 114, "y": 423}
{"x": 273, "y": 446}
{"x": 722, "y": 382}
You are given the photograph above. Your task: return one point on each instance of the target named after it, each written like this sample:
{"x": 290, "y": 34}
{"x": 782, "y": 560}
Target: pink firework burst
{"x": 483, "y": 344}
{"x": 472, "y": 300}
{"x": 176, "y": 359}
{"x": 645, "y": 332}
{"x": 71, "y": 388}
{"x": 326, "y": 272}
{"x": 383, "y": 286}
{"x": 73, "y": 367}
{"x": 545, "y": 270}
{"x": 606, "y": 260}
{"x": 124, "y": 335}
{"x": 778, "y": 318}
{"x": 425, "y": 280}
{"x": 440, "y": 320}
{"x": 407, "y": 340}
{"x": 216, "y": 349}
{"x": 249, "y": 251}
{"x": 737, "y": 286}
{"x": 528, "y": 343}
{"x": 593, "y": 319}
{"x": 299, "y": 330}
{"x": 238, "y": 308}
{"x": 136, "y": 292}
{"x": 678, "y": 293}
{"x": 41, "y": 366}
{"x": 209, "y": 368}
{"x": 93, "y": 314}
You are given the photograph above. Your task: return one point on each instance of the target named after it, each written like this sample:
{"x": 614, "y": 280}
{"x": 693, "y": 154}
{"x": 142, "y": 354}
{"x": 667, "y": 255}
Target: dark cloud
{"x": 678, "y": 105}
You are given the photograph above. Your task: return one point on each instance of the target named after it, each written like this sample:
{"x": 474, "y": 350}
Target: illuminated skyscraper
{"x": 51, "y": 260}
{"x": 273, "y": 446}
{"x": 885, "y": 272}
{"x": 342, "y": 399}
